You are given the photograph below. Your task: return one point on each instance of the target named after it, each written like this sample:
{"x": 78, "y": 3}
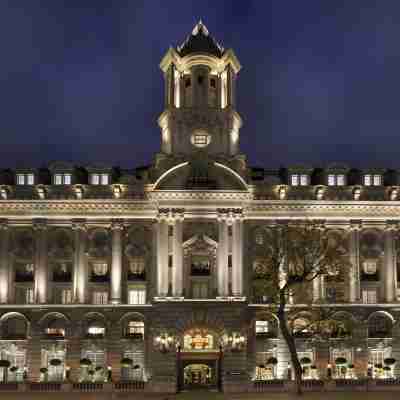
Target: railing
{"x": 87, "y": 386}
{"x": 8, "y": 386}
{"x": 312, "y": 383}
{"x": 350, "y": 382}
{"x": 269, "y": 385}
{"x": 66, "y": 277}
{"x": 387, "y": 382}
{"x": 129, "y": 386}
{"x": 45, "y": 387}
{"x": 137, "y": 277}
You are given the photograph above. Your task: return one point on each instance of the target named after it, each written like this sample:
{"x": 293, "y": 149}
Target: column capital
{"x": 117, "y": 225}
{"x": 391, "y": 226}
{"x": 229, "y": 215}
{"x": 79, "y": 226}
{"x": 355, "y": 225}
{"x": 4, "y": 225}
{"x": 170, "y": 215}
{"x": 39, "y": 225}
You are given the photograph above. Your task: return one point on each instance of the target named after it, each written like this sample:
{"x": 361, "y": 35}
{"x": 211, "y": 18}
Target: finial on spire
{"x": 200, "y": 27}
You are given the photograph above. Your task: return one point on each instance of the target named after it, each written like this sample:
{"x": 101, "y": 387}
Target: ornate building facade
{"x": 147, "y": 275}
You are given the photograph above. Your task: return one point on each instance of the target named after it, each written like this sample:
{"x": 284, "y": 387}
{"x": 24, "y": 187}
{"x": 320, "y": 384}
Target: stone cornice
{"x": 69, "y": 209}
{"x": 200, "y": 197}
{"x": 278, "y": 209}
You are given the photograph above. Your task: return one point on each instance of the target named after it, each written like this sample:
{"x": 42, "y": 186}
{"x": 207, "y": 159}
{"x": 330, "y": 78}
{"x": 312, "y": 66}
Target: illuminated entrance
{"x": 198, "y": 361}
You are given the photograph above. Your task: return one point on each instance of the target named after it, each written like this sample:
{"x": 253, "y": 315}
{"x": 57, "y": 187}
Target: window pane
{"x": 95, "y": 179}
{"x": 66, "y": 296}
{"x": 261, "y": 326}
{"x": 367, "y": 180}
{"x": 340, "y": 180}
{"x": 30, "y": 179}
{"x": 67, "y": 179}
{"x": 57, "y": 179}
{"x": 29, "y": 296}
{"x": 303, "y": 180}
{"x": 377, "y": 180}
{"x": 331, "y": 180}
{"x": 295, "y": 180}
{"x": 137, "y": 296}
{"x": 20, "y": 179}
{"x": 104, "y": 179}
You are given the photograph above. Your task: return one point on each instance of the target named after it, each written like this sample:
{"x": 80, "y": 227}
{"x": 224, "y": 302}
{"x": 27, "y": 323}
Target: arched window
{"x": 379, "y": 326}
{"x": 15, "y": 327}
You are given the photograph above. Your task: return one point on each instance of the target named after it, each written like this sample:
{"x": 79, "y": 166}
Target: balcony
{"x": 369, "y": 277}
{"x": 137, "y": 276}
{"x": 100, "y": 278}
{"x": 197, "y": 270}
{"x": 137, "y": 336}
{"x": 62, "y": 277}
{"x": 21, "y": 276}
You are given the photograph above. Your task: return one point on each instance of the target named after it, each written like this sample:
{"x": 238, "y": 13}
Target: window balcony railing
{"x": 134, "y": 335}
{"x": 378, "y": 334}
{"x": 24, "y": 277}
{"x": 62, "y": 277}
{"x": 100, "y": 278}
{"x": 136, "y": 276}
{"x": 267, "y": 335}
{"x": 199, "y": 271}
{"x": 369, "y": 277}
{"x": 14, "y": 336}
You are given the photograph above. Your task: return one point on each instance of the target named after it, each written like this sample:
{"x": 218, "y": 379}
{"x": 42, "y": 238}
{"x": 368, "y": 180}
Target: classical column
{"x": 4, "y": 262}
{"x": 222, "y": 268}
{"x": 237, "y": 255}
{"x": 162, "y": 255}
{"x": 116, "y": 261}
{"x": 41, "y": 274}
{"x": 354, "y": 275}
{"x": 389, "y": 262}
{"x": 316, "y": 283}
{"x": 177, "y": 257}
{"x": 80, "y": 270}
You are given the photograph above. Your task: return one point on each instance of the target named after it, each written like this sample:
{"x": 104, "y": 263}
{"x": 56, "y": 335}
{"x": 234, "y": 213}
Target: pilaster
{"x": 4, "y": 262}
{"x": 41, "y": 270}
{"x": 177, "y": 266}
{"x": 237, "y": 255}
{"x": 162, "y": 255}
{"x": 354, "y": 278}
{"x": 389, "y": 262}
{"x": 222, "y": 256}
{"x": 80, "y": 263}
{"x": 116, "y": 261}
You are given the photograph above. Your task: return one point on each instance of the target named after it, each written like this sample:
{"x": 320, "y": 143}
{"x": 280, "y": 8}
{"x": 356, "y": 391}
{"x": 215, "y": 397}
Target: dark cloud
{"x": 79, "y": 80}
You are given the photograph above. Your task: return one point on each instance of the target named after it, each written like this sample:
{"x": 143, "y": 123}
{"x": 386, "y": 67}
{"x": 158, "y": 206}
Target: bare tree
{"x": 296, "y": 255}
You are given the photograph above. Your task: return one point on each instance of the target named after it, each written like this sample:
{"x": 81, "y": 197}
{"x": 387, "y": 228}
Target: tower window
{"x": 201, "y": 139}
{"x": 200, "y": 80}
{"x": 213, "y": 83}
{"x": 188, "y": 82}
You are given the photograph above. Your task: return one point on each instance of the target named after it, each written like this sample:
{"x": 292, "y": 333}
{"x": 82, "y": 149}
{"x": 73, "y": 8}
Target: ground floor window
{"x": 17, "y": 369}
{"x": 377, "y": 367}
{"x": 342, "y": 363}
{"x": 266, "y": 365}
{"x": 198, "y": 374}
{"x": 53, "y": 363}
{"x": 307, "y": 361}
{"x": 96, "y": 371}
{"x": 135, "y": 370}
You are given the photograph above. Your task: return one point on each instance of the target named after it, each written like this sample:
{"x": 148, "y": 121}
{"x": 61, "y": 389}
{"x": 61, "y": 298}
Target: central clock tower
{"x": 200, "y": 114}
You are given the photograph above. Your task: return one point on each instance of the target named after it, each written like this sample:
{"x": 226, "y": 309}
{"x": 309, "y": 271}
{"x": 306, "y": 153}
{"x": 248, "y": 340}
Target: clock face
{"x": 200, "y": 139}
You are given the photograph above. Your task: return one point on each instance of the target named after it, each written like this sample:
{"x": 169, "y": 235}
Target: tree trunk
{"x": 289, "y": 339}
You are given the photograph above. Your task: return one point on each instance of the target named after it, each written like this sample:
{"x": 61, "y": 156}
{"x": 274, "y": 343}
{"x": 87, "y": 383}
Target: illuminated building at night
{"x": 146, "y": 275}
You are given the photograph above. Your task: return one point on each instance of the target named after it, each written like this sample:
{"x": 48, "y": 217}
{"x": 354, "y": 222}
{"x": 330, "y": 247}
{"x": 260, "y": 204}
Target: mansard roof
{"x": 200, "y": 41}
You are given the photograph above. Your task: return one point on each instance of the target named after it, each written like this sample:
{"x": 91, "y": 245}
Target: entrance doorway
{"x": 198, "y": 370}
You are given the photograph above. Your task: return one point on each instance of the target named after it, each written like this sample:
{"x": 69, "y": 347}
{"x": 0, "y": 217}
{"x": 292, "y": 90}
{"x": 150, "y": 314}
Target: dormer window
{"x": 372, "y": 180}
{"x": 62, "y": 179}
{"x": 25, "y": 179}
{"x": 299, "y": 179}
{"x": 336, "y": 180}
{"x": 99, "y": 179}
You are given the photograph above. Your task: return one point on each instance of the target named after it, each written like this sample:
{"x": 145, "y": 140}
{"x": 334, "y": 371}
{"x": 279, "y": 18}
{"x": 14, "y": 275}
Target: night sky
{"x": 79, "y": 80}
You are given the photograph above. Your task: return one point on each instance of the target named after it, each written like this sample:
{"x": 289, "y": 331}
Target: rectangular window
{"x": 340, "y": 180}
{"x": 29, "y": 296}
{"x": 20, "y": 179}
{"x": 30, "y": 179}
{"x": 58, "y": 179}
{"x": 262, "y": 327}
{"x": 137, "y": 296}
{"x": 67, "y": 179}
{"x": 369, "y": 296}
{"x": 66, "y": 296}
{"x": 104, "y": 179}
{"x": 200, "y": 290}
{"x": 95, "y": 179}
{"x": 200, "y": 140}
{"x": 295, "y": 180}
{"x": 331, "y": 180}
{"x": 100, "y": 297}
{"x": 303, "y": 180}
{"x": 377, "y": 180}
{"x": 367, "y": 180}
